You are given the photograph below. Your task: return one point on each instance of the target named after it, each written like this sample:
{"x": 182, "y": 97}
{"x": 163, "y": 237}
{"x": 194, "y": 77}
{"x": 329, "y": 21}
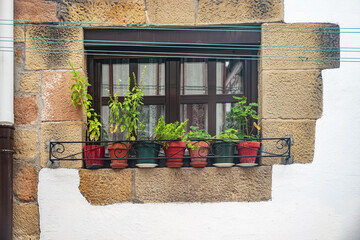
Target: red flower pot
{"x": 248, "y": 149}
{"x": 94, "y": 152}
{"x": 198, "y": 155}
{"x": 175, "y": 150}
{"x": 119, "y": 150}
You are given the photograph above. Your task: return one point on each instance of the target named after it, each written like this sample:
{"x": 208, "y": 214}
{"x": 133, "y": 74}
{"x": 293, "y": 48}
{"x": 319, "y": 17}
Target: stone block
{"x": 56, "y": 98}
{"x": 171, "y": 12}
{"x": 25, "y": 181}
{"x": 35, "y": 10}
{"x": 30, "y": 82}
{"x": 25, "y": 110}
{"x": 26, "y": 221}
{"x": 49, "y": 51}
{"x": 300, "y": 46}
{"x": 25, "y": 143}
{"x": 100, "y": 11}
{"x": 303, "y": 132}
{"x": 291, "y": 94}
{"x": 203, "y": 185}
{"x": 19, "y": 33}
{"x": 106, "y": 186}
{"x": 62, "y": 131}
{"x": 239, "y": 11}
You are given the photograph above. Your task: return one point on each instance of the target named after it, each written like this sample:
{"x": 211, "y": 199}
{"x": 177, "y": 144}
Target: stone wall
{"x": 290, "y": 94}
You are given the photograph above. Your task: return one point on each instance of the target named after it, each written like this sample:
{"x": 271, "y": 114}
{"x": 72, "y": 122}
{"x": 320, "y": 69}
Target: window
{"x": 189, "y": 74}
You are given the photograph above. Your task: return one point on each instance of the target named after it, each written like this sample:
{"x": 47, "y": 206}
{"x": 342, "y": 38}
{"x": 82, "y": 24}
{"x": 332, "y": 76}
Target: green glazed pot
{"x": 223, "y": 148}
{"x": 148, "y": 151}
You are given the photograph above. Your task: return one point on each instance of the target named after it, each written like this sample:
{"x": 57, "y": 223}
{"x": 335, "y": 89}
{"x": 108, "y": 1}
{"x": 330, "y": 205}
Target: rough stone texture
{"x": 19, "y": 33}
{"x": 35, "y": 10}
{"x": 291, "y": 94}
{"x": 293, "y": 39}
{"x": 25, "y": 110}
{"x": 56, "y": 98}
{"x": 106, "y": 186}
{"x": 30, "y": 82}
{"x": 46, "y": 54}
{"x": 239, "y": 11}
{"x": 99, "y": 11}
{"x": 62, "y": 131}
{"x": 25, "y": 181}
{"x": 26, "y": 221}
{"x": 303, "y": 132}
{"x": 25, "y": 143}
{"x": 171, "y": 12}
{"x": 203, "y": 185}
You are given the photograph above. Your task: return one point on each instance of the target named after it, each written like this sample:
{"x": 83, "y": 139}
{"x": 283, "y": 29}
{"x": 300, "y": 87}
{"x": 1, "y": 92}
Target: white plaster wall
{"x": 315, "y": 201}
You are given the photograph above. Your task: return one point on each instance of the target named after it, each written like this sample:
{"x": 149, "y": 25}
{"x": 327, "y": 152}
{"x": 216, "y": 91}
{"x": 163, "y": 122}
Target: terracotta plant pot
{"x": 198, "y": 155}
{"x": 119, "y": 150}
{"x": 226, "y": 150}
{"x": 248, "y": 149}
{"x": 175, "y": 150}
{"x": 94, "y": 152}
{"x": 147, "y": 151}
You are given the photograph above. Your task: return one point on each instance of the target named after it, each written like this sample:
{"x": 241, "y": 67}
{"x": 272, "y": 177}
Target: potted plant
{"x": 124, "y": 116}
{"x": 198, "y": 148}
{"x": 246, "y": 117}
{"x": 175, "y": 148}
{"x": 223, "y": 148}
{"x": 80, "y": 97}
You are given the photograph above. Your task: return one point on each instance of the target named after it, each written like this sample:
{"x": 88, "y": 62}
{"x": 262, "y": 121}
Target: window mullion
{"x": 212, "y": 97}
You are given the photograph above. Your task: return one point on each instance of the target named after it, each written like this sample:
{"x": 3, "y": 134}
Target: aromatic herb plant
{"x": 170, "y": 131}
{"x": 196, "y": 134}
{"x": 229, "y": 134}
{"x": 81, "y": 97}
{"x": 245, "y": 117}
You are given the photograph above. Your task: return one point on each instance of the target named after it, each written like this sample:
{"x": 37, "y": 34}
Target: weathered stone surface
{"x": 25, "y": 109}
{"x": 46, "y": 54}
{"x": 106, "y": 186}
{"x": 300, "y": 46}
{"x": 291, "y": 94}
{"x": 35, "y": 10}
{"x": 25, "y": 181}
{"x": 19, "y": 33}
{"x": 30, "y": 82}
{"x": 303, "y": 132}
{"x": 239, "y": 11}
{"x": 25, "y": 143}
{"x": 99, "y": 11}
{"x": 26, "y": 221}
{"x": 62, "y": 131}
{"x": 171, "y": 12}
{"x": 203, "y": 185}
{"x": 56, "y": 98}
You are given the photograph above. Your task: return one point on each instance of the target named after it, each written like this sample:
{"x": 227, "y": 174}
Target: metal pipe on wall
{"x": 6, "y": 121}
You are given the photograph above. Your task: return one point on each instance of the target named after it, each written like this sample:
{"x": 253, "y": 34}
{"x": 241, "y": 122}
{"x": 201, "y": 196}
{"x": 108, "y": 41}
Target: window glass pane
{"x": 229, "y": 77}
{"x": 154, "y": 77}
{"x": 121, "y": 72}
{"x": 197, "y": 115}
{"x": 193, "y": 77}
{"x": 105, "y": 122}
{"x": 105, "y": 79}
{"x": 149, "y": 115}
{"x": 223, "y": 119}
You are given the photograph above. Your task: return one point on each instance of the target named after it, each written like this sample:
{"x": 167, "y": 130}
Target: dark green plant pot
{"x": 148, "y": 152}
{"x": 223, "y": 148}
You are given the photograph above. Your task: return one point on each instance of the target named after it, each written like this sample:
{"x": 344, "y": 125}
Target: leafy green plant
{"x": 229, "y": 134}
{"x": 196, "y": 134}
{"x": 244, "y": 116}
{"x": 170, "y": 131}
{"x": 80, "y": 97}
{"x": 124, "y": 116}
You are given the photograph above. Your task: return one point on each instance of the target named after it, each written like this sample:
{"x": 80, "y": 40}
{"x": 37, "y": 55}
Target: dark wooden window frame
{"x": 126, "y": 39}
